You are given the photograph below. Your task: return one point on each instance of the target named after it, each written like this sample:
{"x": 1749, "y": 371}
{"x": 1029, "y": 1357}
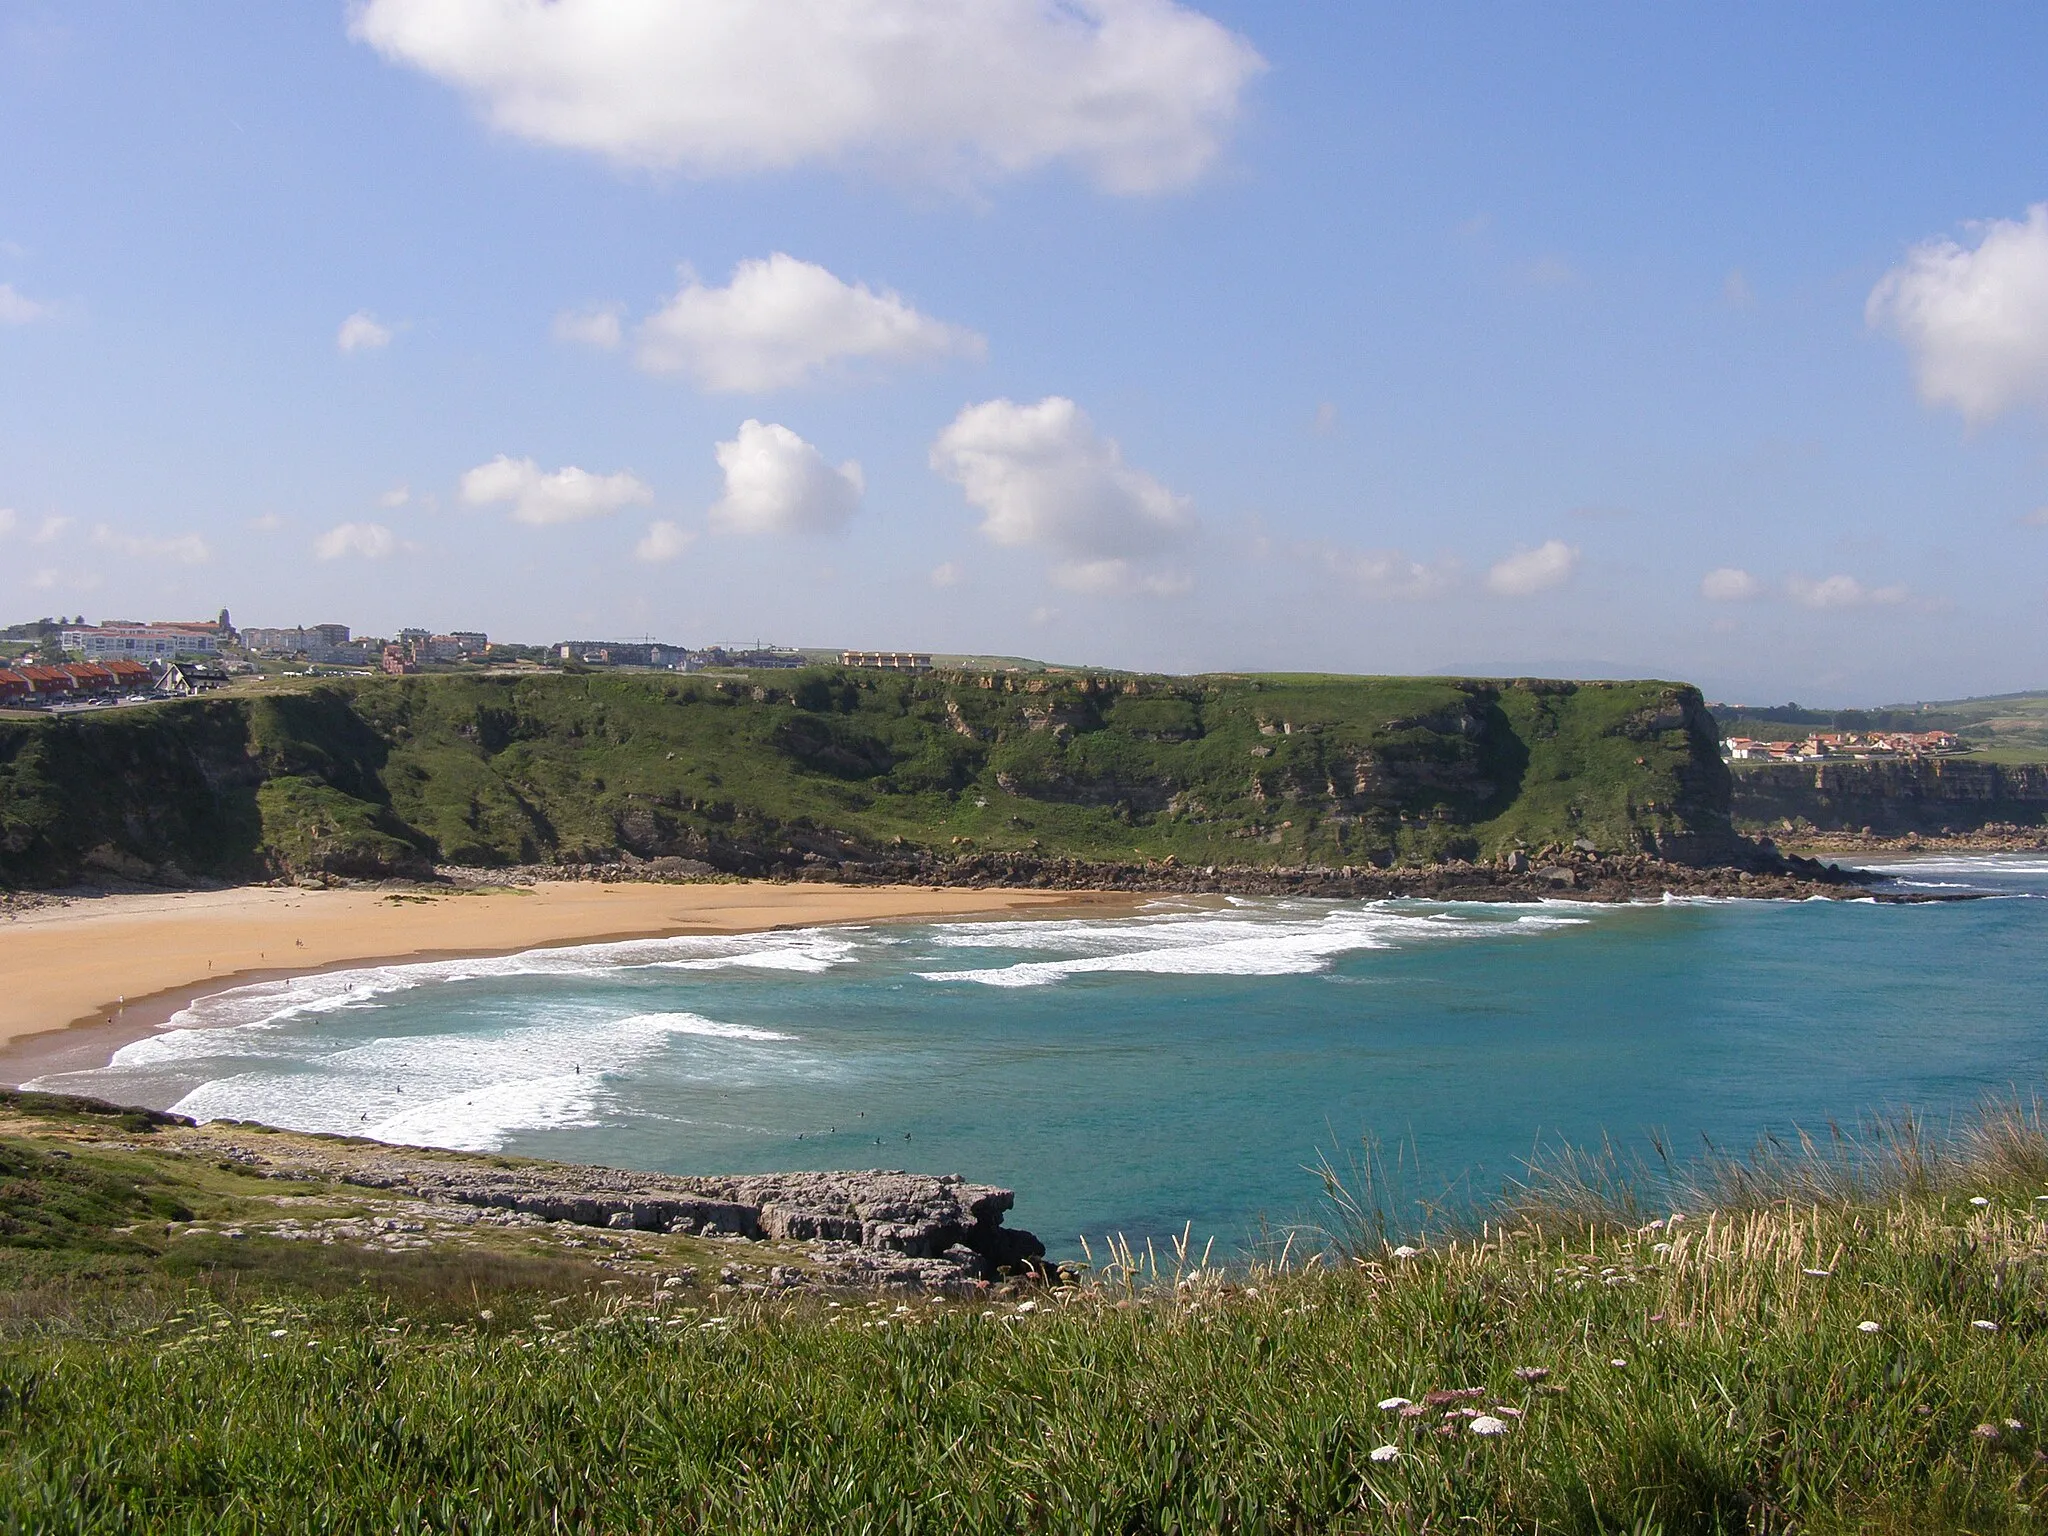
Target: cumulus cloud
{"x": 1044, "y": 478}
{"x": 367, "y": 541}
{"x": 1974, "y": 319}
{"x": 17, "y": 308}
{"x": 1729, "y": 584}
{"x": 782, "y": 322}
{"x": 663, "y": 540}
{"x": 946, "y": 575}
{"x": 180, "y": 548}
{"x": 775, "y": 482}
{"x": 362, "y": 332}
{"x": 598, "y": 327}
{"x": 397, "y": 496}
{"x": 1840, "y": 592}
{"x": 1528, "y": 571}
{"x": 568, "y": 495}
{"x": 1139, "y": 94}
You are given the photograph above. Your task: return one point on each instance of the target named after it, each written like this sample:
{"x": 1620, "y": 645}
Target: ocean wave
{"x": 2010, "y": 864}
{"x": 1266, "y": 940}
{"x": 276, "y": 1002}
{"x": 466, "y": 1090}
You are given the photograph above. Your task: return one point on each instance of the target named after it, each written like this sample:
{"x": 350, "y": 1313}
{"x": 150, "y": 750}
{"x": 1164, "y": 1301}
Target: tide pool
{"x": 1179, "y": 1066}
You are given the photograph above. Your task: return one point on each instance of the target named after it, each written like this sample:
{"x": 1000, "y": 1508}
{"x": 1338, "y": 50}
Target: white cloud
{"x": 1116, "y": 578}
{"x": 50, "y": 530}
{"x": 1528, "y": 571}
{"x": 181, "y": 548}
{"x": 1840, "y": 592}
{"x": 1729, "y": 584}
{"x": 775, "y": 482}
{"x": 782, "y": 322}
{"x": 1044, "y": 478}
{"x": 664, "y": 540}
{"x": 1974, "y": 320}
{"x": 17, "y": 308}
{"x": 1389, "y": 572}
{"x": 369, "y": 541}
{"x": 269, "y": 522}
{"x": 947, "y": 575}
{"x": 598, "y": 327}
{"x": 9, "y": 521}
{"x": 397, "y": 496}
{"x": 362, "y": 332}
{"x": 1140, "y": 94}
{"x": 567, "y": 496}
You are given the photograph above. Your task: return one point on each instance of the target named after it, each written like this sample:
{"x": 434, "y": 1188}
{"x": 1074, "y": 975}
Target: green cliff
{"x": 860, "y": 771}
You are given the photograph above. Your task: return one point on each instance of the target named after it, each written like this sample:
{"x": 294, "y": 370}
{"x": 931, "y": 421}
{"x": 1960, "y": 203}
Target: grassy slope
{"x": 490, "y": 770}
{"x": 1704, "y": 1377}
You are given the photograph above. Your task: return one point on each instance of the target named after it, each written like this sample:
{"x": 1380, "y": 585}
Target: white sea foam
{"x": 468, "y": 1090}
{"x": 275, "y": 1002}
{"x": 2008, "y": 864}
{"x": 1267, "y": 939}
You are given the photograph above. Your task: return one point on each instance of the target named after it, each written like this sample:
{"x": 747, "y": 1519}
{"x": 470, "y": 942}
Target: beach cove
{"x": 86, "y": 974}
{"x": 1142, "y": 1068}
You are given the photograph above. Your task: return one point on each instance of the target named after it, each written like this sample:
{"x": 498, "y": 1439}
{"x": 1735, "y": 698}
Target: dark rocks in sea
{"x": 1578, "y": 872}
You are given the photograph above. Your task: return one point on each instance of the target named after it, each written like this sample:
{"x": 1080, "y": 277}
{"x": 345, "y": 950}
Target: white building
{"x": 138, "y": 642}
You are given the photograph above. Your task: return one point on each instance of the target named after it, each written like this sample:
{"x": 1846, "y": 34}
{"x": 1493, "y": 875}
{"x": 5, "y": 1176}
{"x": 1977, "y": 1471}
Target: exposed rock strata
{"x": 1943, "y": 797}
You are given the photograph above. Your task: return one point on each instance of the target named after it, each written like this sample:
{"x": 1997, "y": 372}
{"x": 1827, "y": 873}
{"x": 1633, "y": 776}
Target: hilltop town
{"x": 59, "y": 664}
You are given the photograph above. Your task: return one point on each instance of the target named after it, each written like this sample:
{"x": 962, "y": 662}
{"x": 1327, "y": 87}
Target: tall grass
{"x": 1847, "y": 1332}
{"x": 1372, "y": 1204}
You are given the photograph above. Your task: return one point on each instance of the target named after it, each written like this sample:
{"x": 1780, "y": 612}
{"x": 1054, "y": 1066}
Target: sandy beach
{"x": 88, "y": 974}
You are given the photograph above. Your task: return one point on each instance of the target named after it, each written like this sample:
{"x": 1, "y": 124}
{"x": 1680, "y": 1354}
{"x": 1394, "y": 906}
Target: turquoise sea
{"x": 1178, "y": 1066}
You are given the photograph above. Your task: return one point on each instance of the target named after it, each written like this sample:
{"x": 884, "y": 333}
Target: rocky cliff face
{"x": 817, "y": 771}
{"x": 1938, "y": 796}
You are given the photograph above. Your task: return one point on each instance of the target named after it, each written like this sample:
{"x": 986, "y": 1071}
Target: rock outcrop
{"x": 1943, "y": 797}
{"x": 876, "y": 1225}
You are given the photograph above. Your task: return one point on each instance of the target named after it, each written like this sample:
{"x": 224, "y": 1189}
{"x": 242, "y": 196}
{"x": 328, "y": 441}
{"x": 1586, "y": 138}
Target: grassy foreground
{"x": 1855, "y": 1358}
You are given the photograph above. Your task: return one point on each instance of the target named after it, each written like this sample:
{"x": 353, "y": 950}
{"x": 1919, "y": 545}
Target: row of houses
{"x": 1841, "y": 744}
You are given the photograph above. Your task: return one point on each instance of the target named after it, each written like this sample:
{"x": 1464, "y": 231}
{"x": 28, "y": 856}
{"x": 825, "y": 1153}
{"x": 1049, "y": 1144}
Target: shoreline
{"x": 92, "y": 973}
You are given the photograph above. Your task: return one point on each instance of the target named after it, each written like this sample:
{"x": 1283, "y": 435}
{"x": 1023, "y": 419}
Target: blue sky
{"x": 1677, "y": 341}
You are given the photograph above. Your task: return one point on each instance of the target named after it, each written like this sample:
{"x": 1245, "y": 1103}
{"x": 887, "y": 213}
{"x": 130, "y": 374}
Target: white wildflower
{"x": 1487, "y": 1424}
{"x": 1618, "y": 1363}
{"x": 1985, "y": 1323}
{"x": 1392, "y": 1404}
{"x": 1867, "y": 1326}
{"x": 1406, "y": 1252}
{"x": 1818, "y": 1274}
{"x": 1979, "y": 1200}
{"x": 1386, "y": 1453}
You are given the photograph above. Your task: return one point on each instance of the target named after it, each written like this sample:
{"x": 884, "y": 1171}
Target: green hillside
{"x": 780, "y": 770}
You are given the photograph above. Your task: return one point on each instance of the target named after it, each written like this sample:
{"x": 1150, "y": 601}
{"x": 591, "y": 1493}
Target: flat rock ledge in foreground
{"x": 877, "y": 1227}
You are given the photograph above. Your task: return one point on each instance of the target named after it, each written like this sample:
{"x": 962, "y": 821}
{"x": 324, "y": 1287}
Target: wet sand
{"x": 82, "y": 977}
